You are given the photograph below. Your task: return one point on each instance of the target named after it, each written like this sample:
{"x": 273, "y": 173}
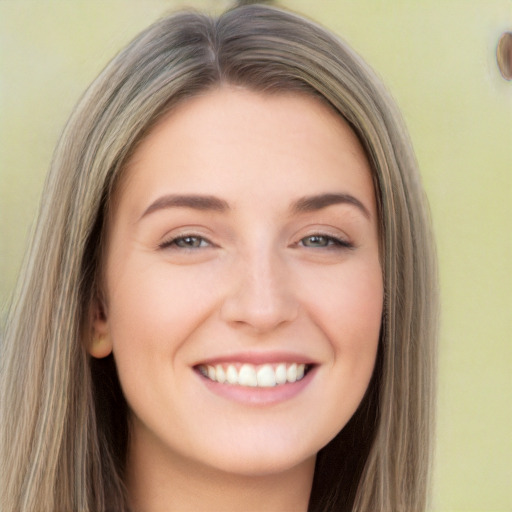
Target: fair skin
{"x": 243, "y": 252}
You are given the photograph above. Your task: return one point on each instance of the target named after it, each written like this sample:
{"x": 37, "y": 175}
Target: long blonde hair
{"x": 64, "y": 420}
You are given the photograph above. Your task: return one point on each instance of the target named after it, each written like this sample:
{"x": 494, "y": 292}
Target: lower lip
{"x": 259, "y": 396}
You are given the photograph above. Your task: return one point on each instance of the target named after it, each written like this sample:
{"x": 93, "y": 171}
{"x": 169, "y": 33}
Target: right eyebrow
{"x": 196, "y": 202}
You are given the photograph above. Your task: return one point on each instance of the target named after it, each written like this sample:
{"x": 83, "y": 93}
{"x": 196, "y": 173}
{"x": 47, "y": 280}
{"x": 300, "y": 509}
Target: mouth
{"x": 255, "y": 376}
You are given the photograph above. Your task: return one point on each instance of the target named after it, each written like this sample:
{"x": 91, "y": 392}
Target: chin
{"x": 262, "y": 455}
{"x": 254, "y": 465}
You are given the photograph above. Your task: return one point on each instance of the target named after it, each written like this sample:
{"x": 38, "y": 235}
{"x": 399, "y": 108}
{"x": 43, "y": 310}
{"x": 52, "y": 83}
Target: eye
{"x": 186, "y": 242}
{"x": 323, "y": 241}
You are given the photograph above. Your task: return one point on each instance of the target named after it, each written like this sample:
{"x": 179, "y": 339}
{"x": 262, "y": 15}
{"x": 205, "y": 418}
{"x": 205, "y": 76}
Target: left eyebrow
{"x": 318, "y": 202}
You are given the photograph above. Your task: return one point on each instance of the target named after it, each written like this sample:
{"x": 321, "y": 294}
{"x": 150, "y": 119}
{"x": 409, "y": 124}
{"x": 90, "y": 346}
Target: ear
{"x": 100, "y": 345}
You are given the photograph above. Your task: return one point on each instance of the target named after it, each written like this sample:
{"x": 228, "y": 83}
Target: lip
{"x": 256, "y": 359}
{"x": 258, "y": 396}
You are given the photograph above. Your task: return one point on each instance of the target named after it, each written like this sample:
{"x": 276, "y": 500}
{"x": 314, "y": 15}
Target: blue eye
{"x": 323, "y": 241}
{"x": 186, "y": 242}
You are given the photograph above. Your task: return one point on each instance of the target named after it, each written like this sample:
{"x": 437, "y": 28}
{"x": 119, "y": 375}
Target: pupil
{"x": 317, "y": 240}
{"x": 190, "y": 241}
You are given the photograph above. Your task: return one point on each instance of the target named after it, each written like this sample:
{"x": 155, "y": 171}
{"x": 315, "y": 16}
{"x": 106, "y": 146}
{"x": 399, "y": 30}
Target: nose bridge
{"x": 262, "y": 296}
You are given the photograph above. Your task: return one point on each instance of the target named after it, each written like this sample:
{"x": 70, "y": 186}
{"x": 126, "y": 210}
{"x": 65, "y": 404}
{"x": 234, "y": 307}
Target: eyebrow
{"x": 318, "y": 202}
{"x": 196, "y": 202}
{"x": 211, "y": 203}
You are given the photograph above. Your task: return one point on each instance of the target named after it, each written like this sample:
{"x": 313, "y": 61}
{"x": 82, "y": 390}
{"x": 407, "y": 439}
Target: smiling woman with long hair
{"x": 230, "y": 297}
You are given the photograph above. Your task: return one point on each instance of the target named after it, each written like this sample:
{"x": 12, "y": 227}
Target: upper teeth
{"x": 264, "y": 376}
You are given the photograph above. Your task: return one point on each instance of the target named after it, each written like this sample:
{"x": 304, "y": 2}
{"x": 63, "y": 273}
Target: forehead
{"x": 232, "y": 136}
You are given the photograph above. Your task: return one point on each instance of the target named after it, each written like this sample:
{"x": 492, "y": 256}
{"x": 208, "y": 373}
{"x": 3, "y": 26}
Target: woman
{"x": 255, "y": 170}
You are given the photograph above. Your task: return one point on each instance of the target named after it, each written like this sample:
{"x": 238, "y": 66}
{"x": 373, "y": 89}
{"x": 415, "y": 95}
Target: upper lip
{"x": 257, "y": 358}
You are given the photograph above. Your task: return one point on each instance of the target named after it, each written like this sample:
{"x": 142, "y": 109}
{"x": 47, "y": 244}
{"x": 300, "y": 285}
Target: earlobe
{"x": 100, "y": 346}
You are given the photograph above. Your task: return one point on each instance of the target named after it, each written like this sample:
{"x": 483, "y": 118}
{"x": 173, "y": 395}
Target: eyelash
{"x": 331, "y": 242}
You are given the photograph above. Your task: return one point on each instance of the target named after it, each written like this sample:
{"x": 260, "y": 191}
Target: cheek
{"x": 153, "y": 308}
{"x": 153, "y": 313}
{"x": 348, "y": 308}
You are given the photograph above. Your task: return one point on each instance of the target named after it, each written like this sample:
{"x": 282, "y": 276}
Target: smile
{"x": 249, "y": 375}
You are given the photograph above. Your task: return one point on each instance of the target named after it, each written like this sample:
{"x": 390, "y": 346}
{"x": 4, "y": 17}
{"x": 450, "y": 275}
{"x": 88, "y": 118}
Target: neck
{"x": 160, "y": 482}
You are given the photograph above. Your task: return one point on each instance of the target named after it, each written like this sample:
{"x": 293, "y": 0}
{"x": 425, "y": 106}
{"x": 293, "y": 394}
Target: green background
{"x": 438, "y": 59}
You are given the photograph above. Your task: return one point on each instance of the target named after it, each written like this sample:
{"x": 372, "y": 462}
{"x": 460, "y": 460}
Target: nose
{"x": 261, "y": 297}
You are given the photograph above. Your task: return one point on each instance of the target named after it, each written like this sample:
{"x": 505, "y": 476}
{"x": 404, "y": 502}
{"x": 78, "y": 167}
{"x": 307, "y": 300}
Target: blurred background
{"x": 438, "y": 58}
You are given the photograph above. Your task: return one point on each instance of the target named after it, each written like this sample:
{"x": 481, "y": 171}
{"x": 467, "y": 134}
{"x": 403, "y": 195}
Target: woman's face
{"x": 243, "y": 285}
